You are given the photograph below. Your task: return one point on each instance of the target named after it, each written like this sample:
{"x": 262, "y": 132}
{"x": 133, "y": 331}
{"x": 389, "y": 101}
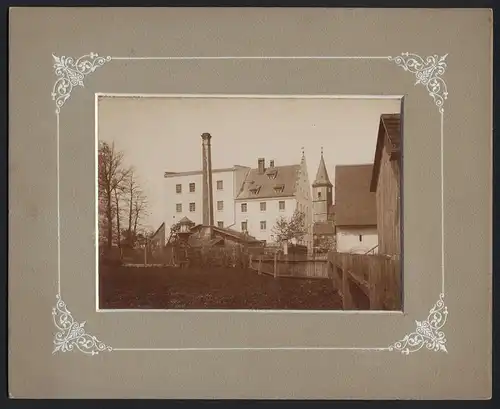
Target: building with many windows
{"x": 184, "y": 195}
{"x": 244, "y": 199}
{"x": 267, "y": 193}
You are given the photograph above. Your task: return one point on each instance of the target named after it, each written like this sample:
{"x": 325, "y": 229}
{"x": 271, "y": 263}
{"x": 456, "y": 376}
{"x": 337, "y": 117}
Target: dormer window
{"x": 279, "y": 188}
{"x": 272, "y": 173}
{"x": 254, "y": 189}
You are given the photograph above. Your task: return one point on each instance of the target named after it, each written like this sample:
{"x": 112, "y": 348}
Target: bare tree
{"x": 111, "y": 174}
{"x": 139, "y": 210}
{"x": 135, "y": 205}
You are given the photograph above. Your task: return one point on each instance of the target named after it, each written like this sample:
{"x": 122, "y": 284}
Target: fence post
{"x": 275, "y": 264}
{"x": 260, "y": 265}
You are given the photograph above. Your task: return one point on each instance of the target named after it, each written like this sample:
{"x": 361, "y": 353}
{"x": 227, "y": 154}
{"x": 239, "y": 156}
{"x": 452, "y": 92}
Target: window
{"x": 282, "y": 205}
{"x": 243, "y": 208}
{"x": 220, "y": 185}
{"x": 178, "y": 207}
{"x": 319, "y": 195}
{"x": 192, "y": 187}
{"x": 360, "y": 237}
{"x": 220, "y": 205}
{"x": 263, "y": 225}
{"x": 244, "y": 226}
{"x": 192, "y": 207}
{"x": 263, "y": 206}
{"x": 178, "y": 188}
{"x": 220, "y": 224}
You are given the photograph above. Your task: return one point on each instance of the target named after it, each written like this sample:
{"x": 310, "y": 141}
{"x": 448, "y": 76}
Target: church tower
{"x": 322, "y": 193}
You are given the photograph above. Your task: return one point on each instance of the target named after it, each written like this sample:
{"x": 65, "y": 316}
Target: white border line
{"x": 58, "y": 209}
{"x": 99, "y": 95}
{"x": 257, "y": 349}
{"x": 214, "y": 58}
{"x": 442, "y": 203}
{"x": 252, "y": 96}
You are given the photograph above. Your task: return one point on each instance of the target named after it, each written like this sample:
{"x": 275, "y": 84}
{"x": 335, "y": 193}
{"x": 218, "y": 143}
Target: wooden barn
{"x": 386, "y": 184}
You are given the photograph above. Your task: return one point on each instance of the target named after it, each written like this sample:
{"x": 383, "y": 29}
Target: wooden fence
{"x": 279, "y": 265}
{"x": 367, "y": 281}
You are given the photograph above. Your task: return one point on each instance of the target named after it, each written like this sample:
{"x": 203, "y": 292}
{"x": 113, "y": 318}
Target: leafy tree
{"x": 294, "y": 227}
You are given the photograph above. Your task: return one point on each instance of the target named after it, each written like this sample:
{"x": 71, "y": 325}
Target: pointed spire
{"x": 322, "y": 178}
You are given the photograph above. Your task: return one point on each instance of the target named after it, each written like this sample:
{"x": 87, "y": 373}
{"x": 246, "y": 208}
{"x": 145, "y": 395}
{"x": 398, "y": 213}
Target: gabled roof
{"x": 185, "y": 220}
{"x": 263, "y": 185}
{"x": 322, "y": 178}
{"x": 389, "y": 137}
{"x": 355, "y": 204}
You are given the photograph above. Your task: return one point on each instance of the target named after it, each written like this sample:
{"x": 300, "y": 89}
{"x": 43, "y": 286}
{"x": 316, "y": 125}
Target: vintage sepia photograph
{"x": 241, "y": 202}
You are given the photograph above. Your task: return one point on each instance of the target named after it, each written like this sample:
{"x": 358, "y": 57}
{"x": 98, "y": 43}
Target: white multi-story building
{"x": 184, "y": 195}
{"x": 267, "y": 193}
{"x": 241, "y": 198}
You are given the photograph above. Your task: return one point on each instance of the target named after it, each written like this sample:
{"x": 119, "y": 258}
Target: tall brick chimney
{"x": 207, "y": 200}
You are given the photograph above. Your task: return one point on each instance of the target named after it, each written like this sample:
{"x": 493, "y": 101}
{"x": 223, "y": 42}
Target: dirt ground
{"x": 217, "y": 288}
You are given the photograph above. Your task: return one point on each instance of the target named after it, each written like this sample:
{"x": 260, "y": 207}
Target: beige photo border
{"x": 428, "y": 71}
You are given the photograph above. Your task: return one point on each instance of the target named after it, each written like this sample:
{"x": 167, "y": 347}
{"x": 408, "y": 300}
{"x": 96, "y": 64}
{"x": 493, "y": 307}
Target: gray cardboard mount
{"x": 246, "y": 354}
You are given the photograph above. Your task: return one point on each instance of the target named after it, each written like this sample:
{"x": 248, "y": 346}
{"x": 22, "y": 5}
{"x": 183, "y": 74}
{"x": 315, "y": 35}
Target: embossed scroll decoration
{"x": 428, "y": 72}
{"x": 71, "y": 73}
{"x": 428, "y": 333}
{"x": 72, "y": 334}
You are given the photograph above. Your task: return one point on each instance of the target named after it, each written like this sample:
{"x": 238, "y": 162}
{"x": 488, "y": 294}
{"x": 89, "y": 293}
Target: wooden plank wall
{"x": 377, "y": 277}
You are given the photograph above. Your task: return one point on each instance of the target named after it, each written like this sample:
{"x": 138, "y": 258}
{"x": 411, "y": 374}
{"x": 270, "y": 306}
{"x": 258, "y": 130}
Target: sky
{"x": 158, "y": 134}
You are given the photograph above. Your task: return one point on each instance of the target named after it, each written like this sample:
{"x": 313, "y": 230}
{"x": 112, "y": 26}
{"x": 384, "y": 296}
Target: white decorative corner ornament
{"x": 71, "y": 73}
{"x": 72, "y": 334}
{"x": 428, "y": 332}
{"x": 428, "y": 73}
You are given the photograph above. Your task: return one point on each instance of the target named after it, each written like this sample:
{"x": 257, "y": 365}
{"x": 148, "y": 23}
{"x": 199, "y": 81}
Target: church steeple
{"x": 322, "y": 178}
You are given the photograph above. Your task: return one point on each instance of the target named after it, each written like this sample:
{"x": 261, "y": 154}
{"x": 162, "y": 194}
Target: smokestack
{"x": 262, "y": 165}
{"x": 208, "y": 201}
